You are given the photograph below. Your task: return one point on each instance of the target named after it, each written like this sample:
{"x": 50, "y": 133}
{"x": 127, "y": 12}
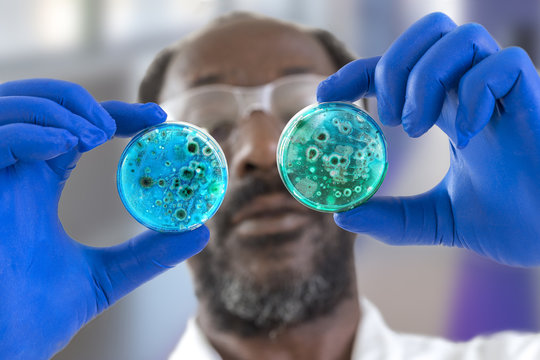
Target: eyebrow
{"x": 207, "y": 80}
{"x": 294, "y": 70}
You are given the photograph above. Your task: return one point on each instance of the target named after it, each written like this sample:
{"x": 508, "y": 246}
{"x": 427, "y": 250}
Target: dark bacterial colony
{"x": 172, "y": 177}
{"x": 332, "y": 156}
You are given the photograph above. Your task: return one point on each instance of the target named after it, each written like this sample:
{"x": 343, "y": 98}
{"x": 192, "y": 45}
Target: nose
{"x": 256, "y": 144}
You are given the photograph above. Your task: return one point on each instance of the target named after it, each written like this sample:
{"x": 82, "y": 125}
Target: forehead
{"x": 246, "y": 53}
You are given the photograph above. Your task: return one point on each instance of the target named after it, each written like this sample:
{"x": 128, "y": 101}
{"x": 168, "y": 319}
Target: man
{"x": 274, "y": 269}
{"x": 276, "y": 280}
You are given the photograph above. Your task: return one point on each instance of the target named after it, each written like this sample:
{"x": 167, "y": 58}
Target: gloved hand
{"x": 487, "y": 101}
{"x": 51, "y": 285}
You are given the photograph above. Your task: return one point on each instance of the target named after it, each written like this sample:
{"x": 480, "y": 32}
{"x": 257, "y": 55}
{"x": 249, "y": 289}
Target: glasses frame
{"x": 248, "y": 98}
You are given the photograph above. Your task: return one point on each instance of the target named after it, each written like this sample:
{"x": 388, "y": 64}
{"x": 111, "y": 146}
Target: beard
{"x": 284, "y": 296}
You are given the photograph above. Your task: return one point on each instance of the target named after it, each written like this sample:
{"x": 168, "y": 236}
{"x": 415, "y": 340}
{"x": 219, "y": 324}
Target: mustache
{"x": 241, "y": 195}
{"x": 253, "y": 187}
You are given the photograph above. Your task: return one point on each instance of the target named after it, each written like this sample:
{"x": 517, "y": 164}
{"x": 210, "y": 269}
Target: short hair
{"x": 152, "y": 83}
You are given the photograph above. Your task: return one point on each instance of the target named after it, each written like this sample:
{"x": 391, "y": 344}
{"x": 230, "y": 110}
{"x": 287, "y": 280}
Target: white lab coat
{"x": 375, "y": 341}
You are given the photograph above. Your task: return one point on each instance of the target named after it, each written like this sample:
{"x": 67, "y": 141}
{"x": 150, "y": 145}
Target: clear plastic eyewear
{"x": 220, "y": 108}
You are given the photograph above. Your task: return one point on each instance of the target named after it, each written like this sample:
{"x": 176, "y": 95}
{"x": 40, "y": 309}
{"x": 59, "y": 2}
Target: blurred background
{"x": 107, "y": 45}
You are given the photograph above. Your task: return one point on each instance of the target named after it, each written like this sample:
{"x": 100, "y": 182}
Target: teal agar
{"x": 172, "y": 177}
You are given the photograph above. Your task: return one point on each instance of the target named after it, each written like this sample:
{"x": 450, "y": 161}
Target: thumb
{"x": 415, "y": 220}
{"x": 120, "y": 269}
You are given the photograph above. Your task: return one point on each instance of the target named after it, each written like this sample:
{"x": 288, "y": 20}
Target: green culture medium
{"x": 332, "y": 156}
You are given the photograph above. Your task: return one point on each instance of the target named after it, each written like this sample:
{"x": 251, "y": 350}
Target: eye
{"x": 288, "y": 116}
{"x": 287, "y": 112}
{"x": 221, "y": 131}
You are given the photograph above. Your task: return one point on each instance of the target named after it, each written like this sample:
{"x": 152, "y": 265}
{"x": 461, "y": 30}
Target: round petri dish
{"x": 332, "y": 156}
{"x": 172, "y": 177}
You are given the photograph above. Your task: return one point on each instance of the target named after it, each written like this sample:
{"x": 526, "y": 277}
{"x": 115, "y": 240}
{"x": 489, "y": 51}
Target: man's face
{"x": 264, "y": 245}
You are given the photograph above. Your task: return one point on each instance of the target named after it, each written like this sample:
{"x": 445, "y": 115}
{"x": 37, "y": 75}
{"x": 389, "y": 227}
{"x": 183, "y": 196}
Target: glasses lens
{"x": 294, "y": 93}
{"x": 218, "y": 108}
{"x": 214, "y": 110}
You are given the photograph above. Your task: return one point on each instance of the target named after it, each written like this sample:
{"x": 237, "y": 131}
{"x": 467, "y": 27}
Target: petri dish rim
{"x": 292, "y": 125}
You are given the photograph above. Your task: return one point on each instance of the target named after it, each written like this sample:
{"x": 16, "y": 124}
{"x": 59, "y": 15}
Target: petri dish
{"x": 332, "y": 156}
{"x": 172, "y": 177}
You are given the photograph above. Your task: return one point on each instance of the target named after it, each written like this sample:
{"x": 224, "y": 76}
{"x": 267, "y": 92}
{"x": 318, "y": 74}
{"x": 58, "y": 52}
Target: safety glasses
{"x": 220, "y": 108}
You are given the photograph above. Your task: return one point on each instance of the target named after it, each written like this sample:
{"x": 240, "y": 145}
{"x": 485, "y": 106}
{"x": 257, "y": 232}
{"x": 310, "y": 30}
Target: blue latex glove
{"x": 487, "y": 101}
{"x": 51, "y": 285}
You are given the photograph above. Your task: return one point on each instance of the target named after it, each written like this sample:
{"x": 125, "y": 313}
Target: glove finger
{"x": 350, "y": 83}
{"x": 417, "y": 220}
{"x": 397, "y": 62}
{"x": 122, "y": 268}
{"x": 26, "y": 142}
{"x": 132, "y": 118}
{"x": 44, "y": 112}
{"x": 510, "y": 71}
{"x": 72, "y": 96}
{"x": 438, "y": 72}
{"x": 64, "y": 164}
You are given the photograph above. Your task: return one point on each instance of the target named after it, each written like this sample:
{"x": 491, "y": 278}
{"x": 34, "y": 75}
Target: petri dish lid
{"x": 332, "y": 156}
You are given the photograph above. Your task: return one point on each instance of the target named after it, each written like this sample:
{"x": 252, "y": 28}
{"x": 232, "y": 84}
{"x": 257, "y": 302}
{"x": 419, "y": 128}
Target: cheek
{"x": 229, "y": 149}
{"x": 214, "y": 226}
